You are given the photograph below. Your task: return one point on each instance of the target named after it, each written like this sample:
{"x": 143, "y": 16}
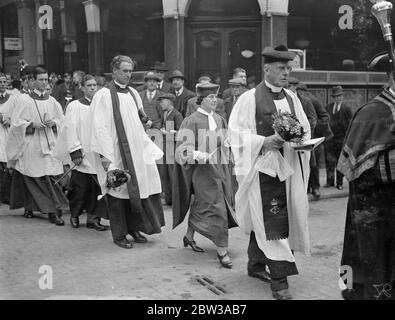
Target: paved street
{"x": 87, "y": 265}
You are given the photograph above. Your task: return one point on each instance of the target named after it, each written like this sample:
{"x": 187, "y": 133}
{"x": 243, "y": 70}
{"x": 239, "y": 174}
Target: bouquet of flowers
{"x": 116, "y": 178}
{"x": 288, "y": 127}
{"x": 272, "y": 163}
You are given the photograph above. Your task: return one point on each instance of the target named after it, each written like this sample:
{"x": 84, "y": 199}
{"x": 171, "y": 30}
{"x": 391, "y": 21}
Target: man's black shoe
{"x": 339, "y": 187}
{"x": 261, "y": 275}
{"x": 54, "y": 218}
{"x": 75, "y": 222}
{"x": 97, "y": 226}
{"x": 124, "y": 243}
{"x": 138, "y": 237}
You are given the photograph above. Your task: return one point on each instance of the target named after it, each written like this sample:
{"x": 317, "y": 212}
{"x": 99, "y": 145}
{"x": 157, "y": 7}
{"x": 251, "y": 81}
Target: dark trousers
{"x": 5, "y": 183}
{"x": 332, "y": 154}
{"x": 168, "y": 182}
{"x": 82, "y": 194}
{"x": 314, "y": 179}
{"x": 122, "y": 219}
{"x": 279, "y": 270}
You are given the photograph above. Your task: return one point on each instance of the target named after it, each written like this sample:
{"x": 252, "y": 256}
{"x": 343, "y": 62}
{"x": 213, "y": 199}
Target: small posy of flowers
{"x": 116, "y": 178}
{"x": 288, "y": 127}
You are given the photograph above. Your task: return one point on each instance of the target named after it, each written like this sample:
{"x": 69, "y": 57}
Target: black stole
{"x": 127, "y": 158}
{"x": 5, "y": 99}
{"x": 273, "y": 191}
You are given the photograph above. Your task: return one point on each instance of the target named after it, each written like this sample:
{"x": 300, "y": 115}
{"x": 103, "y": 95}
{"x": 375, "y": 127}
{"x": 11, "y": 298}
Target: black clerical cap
{"x": 279, "y": 53}
{"x": 204, "y": 89}
{"x": 380, "y": 62}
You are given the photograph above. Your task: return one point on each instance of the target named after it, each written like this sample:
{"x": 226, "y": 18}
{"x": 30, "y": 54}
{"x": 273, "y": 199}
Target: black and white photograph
{"x": 197, "y": 156}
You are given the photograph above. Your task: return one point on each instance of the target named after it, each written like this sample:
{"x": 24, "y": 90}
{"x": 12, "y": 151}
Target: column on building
{"x": 27, "y": 31}
{"x": 274, "y": 22}
{"x": 174, "y": 32}
{"x": 95, "y": 37}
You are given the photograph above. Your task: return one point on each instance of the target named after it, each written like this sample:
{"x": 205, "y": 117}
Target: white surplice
{"x": 30, "y": 154}
{"x": 246, "y": 145}
{"x": 5, "y": 111}
{"x": 74, "y": 135}
{"x": 104, "y": 141}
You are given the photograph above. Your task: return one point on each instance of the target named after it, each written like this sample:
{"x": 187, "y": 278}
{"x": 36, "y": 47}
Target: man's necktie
{"x": 335, "y": 106}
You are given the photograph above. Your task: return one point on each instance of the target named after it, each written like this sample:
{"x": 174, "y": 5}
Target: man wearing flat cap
{"x": 236, "y": 88}
{"x": 149, "y": 97}
{"x": 273, "y": 212}
{"x": 367, "y": 161}
{"x": 171, "y": 124}
{"x": 182, "y": 94}
{"x": 340, "y": 116}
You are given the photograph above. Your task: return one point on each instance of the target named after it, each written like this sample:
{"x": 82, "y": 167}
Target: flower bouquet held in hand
{"x": 287, "y": 126}
{"x": 116, "y": 178}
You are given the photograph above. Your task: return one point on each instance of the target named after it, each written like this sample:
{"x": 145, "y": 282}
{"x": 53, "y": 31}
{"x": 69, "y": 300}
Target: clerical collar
{"x": 205, "y": 112}
{"x": 273, "y": 88}
{"x": 38, "y": 95}
{"x": 122, "y": 86}
{"x": 86, "y": 101}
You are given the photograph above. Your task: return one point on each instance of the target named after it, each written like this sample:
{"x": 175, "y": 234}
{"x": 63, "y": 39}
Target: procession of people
{"x": 121, "y": 153}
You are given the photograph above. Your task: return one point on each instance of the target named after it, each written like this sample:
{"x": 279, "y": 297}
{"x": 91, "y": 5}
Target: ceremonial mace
{"x": 381, "y": 10}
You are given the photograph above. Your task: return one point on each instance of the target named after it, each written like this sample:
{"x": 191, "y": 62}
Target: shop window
{"x": 9, "y": 21}
{"x": 337, "y": 35}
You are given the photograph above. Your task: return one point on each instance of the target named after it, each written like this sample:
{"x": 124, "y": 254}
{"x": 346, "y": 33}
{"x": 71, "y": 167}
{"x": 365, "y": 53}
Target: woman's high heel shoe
{"x": 225, "y": 260}
{"x": 193, "y": 245}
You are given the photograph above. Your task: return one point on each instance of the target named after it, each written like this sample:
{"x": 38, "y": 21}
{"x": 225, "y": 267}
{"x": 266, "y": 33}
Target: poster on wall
{"x": 14, "y": 44}
{"x": 299, "y": 63}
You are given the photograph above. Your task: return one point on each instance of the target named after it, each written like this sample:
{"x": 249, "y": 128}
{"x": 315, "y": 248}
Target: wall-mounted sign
{"x": 12, "y": 43}
{"x": 299, "y": 63}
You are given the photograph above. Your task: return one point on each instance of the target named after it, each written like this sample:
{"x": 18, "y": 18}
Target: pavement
{"x": 332, "y": 192}
{"x": 85, "y": 264}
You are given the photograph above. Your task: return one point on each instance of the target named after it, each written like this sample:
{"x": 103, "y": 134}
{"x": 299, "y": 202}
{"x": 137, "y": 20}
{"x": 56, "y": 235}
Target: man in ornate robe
{"x": 118, "y": 140}
{"x": 273, "y": 212}
{"x": 7, "y": 105}
{"x": 368, "y": 163}
{"x": 30, "y": 147}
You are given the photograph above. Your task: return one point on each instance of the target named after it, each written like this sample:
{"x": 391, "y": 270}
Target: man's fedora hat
{"x": 380, "y": 62}
{"x": 279, "y": 53}
{"x": 177, "y": 74}
{"x": 301, "y": 86}
{"x": 150, "y": 75}
{"x": 169, "y": 96}
{"x": 159, "y": 66}
{"x": 337, "y": 91}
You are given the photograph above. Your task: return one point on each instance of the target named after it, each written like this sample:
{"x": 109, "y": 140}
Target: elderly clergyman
{"x": 273, "y": 212}
{"x": 119, "y": 141}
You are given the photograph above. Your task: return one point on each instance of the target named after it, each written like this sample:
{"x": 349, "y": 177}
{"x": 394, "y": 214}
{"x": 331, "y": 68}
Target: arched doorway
{"x": 220, "y": 36}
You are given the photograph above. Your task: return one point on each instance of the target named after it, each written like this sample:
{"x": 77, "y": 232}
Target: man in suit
{"x": 236, "y": 89}
{"x": 237, "y": 73}
{"x": 322, "y": 129}
{"x": 340, "y": 116}
{"x": 160, "y": 70}
{"x": 63, "y": 92}
{"x": 171, "y": 124}
{"x": 182, "y": 94}
{"x": 150, "y": 101}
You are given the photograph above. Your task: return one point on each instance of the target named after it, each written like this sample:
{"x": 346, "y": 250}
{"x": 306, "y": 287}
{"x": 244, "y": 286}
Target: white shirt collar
{"x": 179, "y": 92}
{"x": 272, "y": 87}
{"x": 123, "y": 86}
{"x": 39, "y": 93}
